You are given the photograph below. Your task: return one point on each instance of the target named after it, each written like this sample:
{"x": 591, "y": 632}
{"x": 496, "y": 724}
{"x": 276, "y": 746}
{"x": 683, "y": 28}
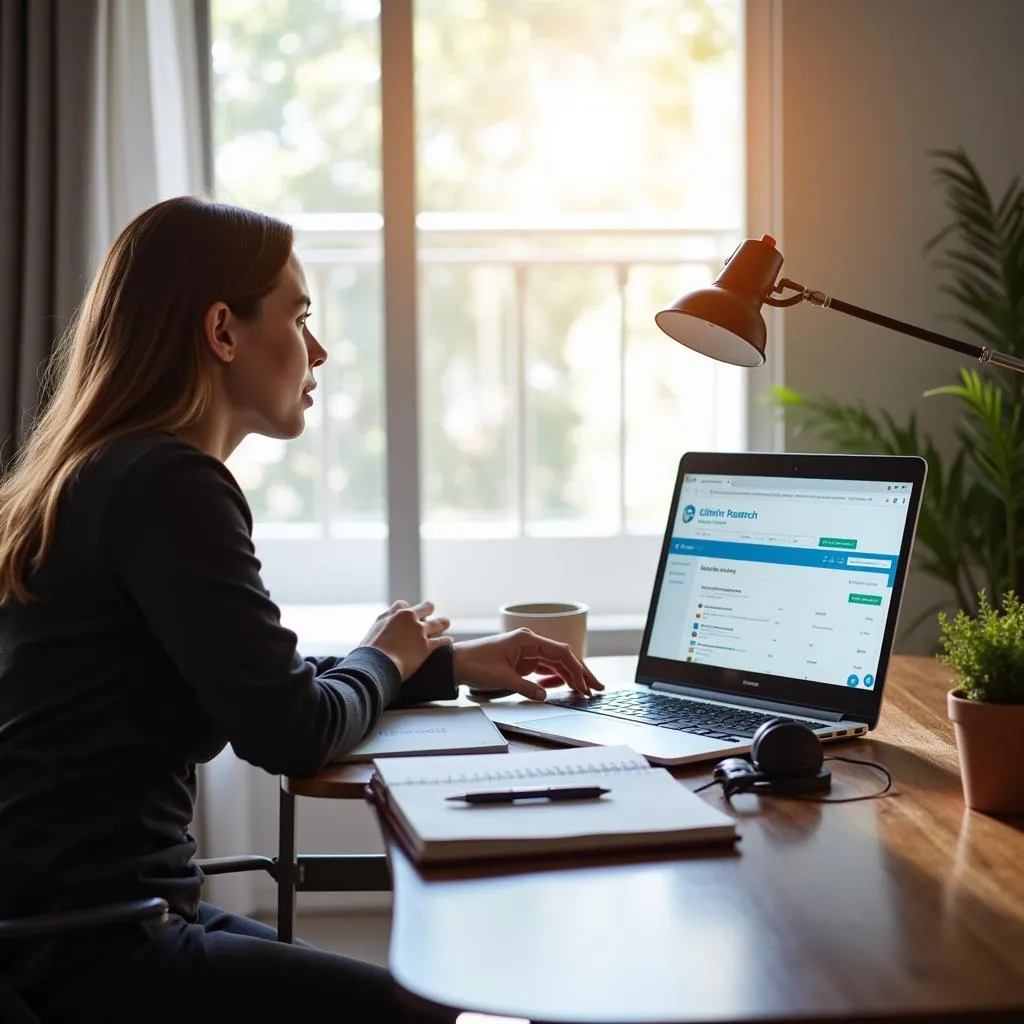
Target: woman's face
{"x": 271, "y": 374}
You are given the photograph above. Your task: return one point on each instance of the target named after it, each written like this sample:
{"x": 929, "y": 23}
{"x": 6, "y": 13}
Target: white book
{"x": 429, "y": 730}
{"x": 644, "y": 806}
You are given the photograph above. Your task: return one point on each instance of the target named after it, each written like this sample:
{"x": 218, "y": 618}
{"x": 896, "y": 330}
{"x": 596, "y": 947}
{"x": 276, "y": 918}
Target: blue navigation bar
{"x": 815, "y": 558}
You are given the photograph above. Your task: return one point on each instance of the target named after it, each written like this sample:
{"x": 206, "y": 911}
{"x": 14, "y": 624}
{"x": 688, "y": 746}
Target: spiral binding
{"x": 527, "y": 774}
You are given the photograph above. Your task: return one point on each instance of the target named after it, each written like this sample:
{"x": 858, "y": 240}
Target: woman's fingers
{"x": 557, "y": 660}
{"x": 436, "y": 625}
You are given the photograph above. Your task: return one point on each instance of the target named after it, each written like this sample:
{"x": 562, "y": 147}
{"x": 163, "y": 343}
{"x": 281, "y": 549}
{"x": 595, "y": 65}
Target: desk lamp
{"x": 724, "y": 321}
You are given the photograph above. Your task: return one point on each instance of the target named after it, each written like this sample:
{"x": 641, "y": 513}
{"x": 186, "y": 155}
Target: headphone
{"x": 786, "y": 759}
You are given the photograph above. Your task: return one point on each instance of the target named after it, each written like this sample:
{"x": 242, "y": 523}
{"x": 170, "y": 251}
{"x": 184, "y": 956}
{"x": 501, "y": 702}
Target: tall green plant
{"x": 971, "y": 530}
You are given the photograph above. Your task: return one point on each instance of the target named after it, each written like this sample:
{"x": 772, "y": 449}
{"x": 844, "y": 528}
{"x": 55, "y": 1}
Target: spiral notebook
{"x": 645, "y": 808}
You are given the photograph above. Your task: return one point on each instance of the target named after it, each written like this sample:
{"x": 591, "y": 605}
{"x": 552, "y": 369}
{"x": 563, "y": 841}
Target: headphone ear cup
{"x": 782, "y": 748}
{"x": 786, "y": 757}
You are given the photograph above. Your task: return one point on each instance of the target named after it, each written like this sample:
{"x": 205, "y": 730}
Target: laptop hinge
{"x": 796, "y": 710}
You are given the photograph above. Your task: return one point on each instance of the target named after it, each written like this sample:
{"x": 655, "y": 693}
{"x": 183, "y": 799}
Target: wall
{"x": 864, "y": 90}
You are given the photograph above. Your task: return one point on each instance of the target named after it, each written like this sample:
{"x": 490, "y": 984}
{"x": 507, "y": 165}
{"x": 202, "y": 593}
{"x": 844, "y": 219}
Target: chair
{"x": 14, "y": 1010}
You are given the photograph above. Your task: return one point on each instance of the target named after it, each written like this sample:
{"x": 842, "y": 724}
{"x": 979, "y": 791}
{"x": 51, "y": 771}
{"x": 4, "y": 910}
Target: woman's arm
{"x": 178, "y": 534}
{"x": 433, "y": 680}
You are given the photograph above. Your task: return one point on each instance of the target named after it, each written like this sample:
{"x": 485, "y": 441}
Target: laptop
{"x": 777, "y": 594}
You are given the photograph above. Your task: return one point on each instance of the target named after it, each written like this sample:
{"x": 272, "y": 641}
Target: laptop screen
{"x": 782, "y": 576}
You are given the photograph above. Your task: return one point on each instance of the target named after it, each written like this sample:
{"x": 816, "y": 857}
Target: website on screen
{"x": 788, "y": 578}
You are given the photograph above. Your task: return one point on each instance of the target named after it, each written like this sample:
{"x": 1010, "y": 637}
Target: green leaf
{"x": 985, "y": 251}
{"x": 986, "y": 649}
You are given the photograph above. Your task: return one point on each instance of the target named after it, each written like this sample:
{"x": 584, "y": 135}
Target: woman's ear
{"x": 218, "y": 327}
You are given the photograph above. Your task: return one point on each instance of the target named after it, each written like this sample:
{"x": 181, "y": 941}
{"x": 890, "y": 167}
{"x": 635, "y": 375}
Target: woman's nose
{"x": 317, "y": 353}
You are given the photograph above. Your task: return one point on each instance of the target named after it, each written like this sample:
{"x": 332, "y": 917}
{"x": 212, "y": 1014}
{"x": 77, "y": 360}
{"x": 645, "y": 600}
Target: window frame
{"x": 382, "y": 564}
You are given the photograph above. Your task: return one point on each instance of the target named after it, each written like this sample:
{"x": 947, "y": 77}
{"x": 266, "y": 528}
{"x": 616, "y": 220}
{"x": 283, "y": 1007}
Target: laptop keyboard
{"x": 669, "y": 712}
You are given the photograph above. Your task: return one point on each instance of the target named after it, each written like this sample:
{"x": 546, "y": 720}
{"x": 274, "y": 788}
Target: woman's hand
{"x": 501, "y": 662}
{"x": 407, "y": 635}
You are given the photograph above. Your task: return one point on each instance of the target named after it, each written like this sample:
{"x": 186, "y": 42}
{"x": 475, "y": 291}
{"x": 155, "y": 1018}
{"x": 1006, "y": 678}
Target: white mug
{"x": 564, "y": 621}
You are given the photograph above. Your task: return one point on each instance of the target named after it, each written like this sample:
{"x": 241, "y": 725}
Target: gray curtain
{"x": 46, "y": 73}
{"x": 96, "y": 97}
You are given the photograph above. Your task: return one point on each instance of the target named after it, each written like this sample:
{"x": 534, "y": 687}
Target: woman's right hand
{"x": 408, "y": 635}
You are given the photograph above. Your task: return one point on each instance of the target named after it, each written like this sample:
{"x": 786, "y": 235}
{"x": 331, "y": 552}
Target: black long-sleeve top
{"x": 150, "y": 644}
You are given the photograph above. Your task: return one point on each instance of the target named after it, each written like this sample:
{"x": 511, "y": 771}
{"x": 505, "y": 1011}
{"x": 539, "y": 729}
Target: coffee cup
{"x": 564, "y": 621}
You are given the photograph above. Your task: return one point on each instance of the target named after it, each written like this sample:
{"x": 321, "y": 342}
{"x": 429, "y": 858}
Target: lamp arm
{"x": 983, "y": 353}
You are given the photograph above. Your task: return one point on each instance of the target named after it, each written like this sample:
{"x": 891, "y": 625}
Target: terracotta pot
{"x": 990, "y": 741}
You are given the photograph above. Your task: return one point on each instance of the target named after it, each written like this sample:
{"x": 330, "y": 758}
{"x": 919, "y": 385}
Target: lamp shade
{"x": 724, "y": 320}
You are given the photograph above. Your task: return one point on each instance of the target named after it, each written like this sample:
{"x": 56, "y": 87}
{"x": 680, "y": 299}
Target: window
{"x": 577, "y": 166}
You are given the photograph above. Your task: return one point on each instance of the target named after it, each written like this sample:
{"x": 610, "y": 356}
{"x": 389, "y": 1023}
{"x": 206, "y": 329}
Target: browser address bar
{"x": 735, "y": 492}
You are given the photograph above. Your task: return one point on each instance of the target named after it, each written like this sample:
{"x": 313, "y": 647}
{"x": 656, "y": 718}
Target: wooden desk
{"x": 907, "y": 907}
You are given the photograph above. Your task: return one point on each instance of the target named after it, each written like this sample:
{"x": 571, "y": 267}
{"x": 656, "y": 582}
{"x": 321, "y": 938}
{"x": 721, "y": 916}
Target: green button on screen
{"x": 837, "y": 542}
{"x": 865, "y": 599}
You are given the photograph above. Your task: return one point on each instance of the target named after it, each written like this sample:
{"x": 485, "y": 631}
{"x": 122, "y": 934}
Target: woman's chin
{"x": 285, "y": 430}
{"x": 284, "y": 426}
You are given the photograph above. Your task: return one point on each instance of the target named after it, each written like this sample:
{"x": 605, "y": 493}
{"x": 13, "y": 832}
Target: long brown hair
{"x": 135, "y": 357}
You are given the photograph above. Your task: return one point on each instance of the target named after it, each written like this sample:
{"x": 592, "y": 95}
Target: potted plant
{"x": 987, "y": 708}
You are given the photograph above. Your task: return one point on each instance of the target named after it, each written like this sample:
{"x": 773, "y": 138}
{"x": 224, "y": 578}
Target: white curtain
{"x": 150, "y": 137}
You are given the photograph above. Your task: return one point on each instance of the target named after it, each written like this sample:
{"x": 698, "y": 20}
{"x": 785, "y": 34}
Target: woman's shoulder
{"x": 154, "y": 460}
{"x": 145, "y": 481}
{"x": 151, "y": 449}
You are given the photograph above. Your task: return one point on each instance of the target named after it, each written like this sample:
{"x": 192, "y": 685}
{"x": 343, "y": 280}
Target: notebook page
{"x": 640, "y": 804}
{"x": 513, "y": 769}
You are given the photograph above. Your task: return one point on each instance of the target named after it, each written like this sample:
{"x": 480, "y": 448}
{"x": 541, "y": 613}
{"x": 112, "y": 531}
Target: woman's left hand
{"x": 502, "y": 661}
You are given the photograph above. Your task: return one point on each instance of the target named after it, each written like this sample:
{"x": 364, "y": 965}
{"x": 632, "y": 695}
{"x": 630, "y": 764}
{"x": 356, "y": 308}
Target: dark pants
{"x": 221, "y": 968}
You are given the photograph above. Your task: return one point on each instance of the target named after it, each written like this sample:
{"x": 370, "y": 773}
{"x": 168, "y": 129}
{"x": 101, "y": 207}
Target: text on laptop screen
{"x": 790, "y": 578}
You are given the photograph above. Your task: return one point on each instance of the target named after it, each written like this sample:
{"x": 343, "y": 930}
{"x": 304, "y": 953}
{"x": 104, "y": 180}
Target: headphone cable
{"x": 864, "y": 796}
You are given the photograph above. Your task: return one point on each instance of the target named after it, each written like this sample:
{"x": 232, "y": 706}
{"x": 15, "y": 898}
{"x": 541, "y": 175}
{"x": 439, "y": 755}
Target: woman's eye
{"x": 301, "y": 321}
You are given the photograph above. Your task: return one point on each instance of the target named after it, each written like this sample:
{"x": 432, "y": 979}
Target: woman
{"x": 137, "y": 639}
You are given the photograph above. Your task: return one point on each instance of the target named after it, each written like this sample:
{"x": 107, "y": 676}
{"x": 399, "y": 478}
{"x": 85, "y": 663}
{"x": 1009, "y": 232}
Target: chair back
{"x": 14, "y": 1009}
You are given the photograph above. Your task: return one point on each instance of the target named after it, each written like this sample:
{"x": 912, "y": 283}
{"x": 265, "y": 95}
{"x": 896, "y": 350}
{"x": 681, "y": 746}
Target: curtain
{"x": 151, "y": 130}
{"x": 45, "y": 73}
{"x": 104, "y": 110}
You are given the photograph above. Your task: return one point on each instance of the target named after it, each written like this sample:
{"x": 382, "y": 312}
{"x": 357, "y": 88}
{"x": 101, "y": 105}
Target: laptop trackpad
{"x": 605, "y": 731}
{"x": 522, "y": 711}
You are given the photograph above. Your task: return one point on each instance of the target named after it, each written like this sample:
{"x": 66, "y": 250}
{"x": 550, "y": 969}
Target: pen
{"x": 507, "y": 796}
